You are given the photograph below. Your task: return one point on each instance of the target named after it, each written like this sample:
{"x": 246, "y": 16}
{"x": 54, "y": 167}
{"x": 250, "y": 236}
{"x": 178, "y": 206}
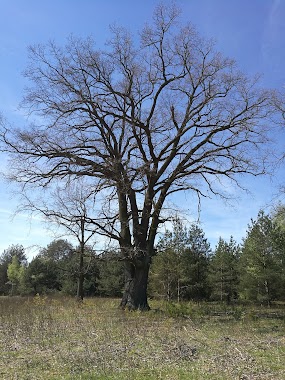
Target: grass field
{"x": 52, "y": 339}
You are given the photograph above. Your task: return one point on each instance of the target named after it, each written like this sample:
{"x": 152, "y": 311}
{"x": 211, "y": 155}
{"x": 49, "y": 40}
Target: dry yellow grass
{"x": 52, "y": 339}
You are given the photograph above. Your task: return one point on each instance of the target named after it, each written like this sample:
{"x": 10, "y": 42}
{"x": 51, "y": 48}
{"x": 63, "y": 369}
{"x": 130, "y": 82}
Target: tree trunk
{"x": 80, "y": 282}
{"x": 135, "y": 292}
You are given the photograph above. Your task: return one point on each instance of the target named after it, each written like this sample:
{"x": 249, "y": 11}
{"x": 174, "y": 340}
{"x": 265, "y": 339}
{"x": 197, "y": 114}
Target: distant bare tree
{"x": 69, "y": 207}
{"x": 144, "y": 121}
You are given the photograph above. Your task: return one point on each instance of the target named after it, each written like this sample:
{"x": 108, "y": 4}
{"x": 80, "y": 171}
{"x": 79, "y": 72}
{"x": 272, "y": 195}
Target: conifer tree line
{"x": 184, "y": 267}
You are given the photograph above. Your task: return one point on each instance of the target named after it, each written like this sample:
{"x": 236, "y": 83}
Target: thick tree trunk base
{"x": 135, "y": 292}
{"x": 130, "y": 305}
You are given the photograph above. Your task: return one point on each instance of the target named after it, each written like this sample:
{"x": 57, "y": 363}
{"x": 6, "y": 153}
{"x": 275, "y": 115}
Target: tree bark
{"x": 80, "y": 282}
{"x": 80, "y": 290}
{"x": 135, "y": 292}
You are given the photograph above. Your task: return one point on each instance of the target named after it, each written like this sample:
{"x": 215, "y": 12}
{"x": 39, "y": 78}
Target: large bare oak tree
{"x": 144, "y": 118}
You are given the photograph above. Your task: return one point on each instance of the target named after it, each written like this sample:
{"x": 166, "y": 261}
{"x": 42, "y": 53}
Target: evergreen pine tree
{"x": 195, "y": 261}
{"x": 179, "y": 270}
{"x": 223, "y": 271}
{"x": 262, "y": 261}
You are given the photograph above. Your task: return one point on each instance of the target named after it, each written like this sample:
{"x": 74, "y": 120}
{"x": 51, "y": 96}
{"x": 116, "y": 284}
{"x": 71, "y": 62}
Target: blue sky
{"x": 250, "y": 31}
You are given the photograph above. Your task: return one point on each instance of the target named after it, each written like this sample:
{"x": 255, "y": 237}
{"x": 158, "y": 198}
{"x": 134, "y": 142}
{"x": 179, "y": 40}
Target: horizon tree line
{"x": 184, "y": 268}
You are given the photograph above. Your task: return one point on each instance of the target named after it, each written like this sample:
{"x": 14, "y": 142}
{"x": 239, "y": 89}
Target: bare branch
{"x": 144, "y": 120}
